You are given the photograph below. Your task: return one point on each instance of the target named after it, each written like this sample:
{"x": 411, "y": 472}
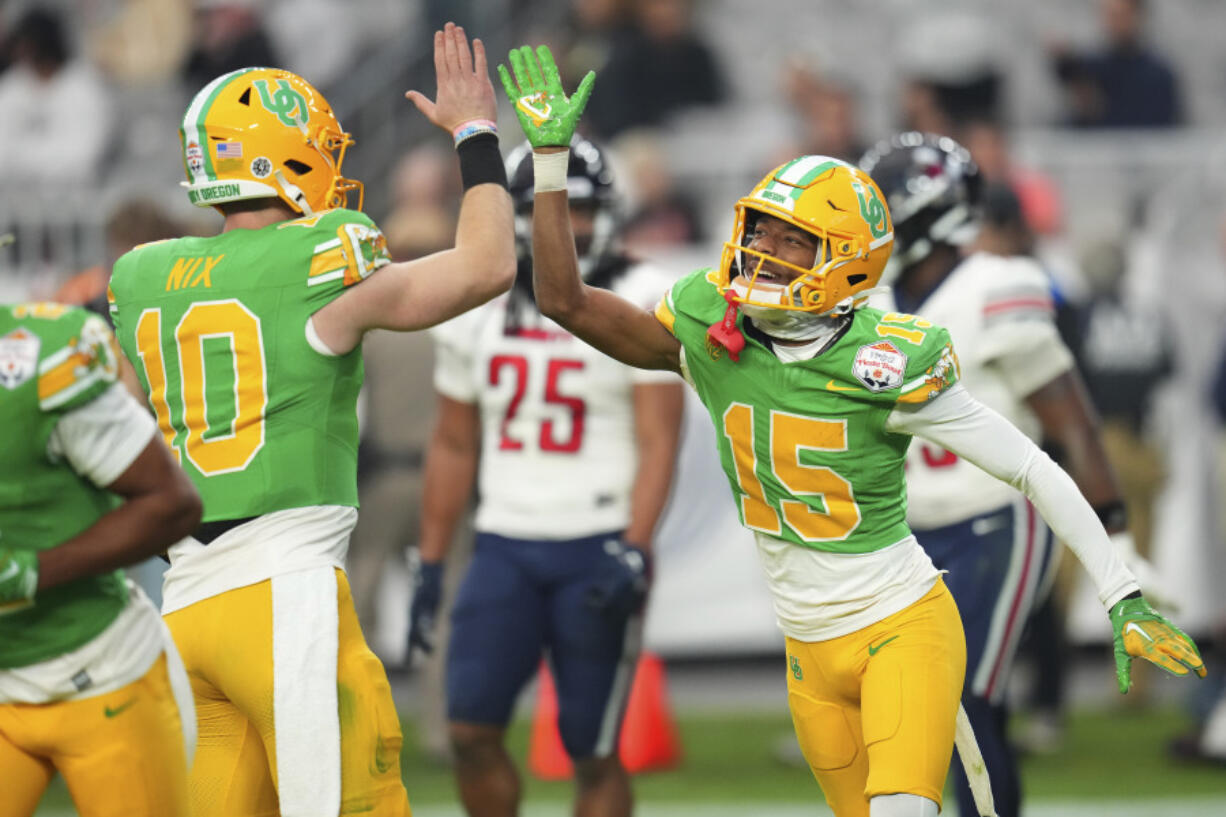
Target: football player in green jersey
{"x": 815, "y": 397}
{"x": 90, "y": 683}
{"x": 248, "y": 345}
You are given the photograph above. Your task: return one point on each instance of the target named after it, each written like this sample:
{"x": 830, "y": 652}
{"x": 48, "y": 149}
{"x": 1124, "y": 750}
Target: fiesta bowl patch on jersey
{"x": 879, "y": 366}
{"x": 18, "y": 357}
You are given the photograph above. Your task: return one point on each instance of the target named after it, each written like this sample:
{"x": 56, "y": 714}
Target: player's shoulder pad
{"x": 1013, "y": 288}
{"x": 346, "y": 246}
{"x": 78, "y": 356}
{"x": 693, "y": 294}
{"x": 919, "y": 348}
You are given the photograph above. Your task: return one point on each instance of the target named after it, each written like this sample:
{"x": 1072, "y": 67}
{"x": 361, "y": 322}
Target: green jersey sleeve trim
{"x": 81, "y": 370}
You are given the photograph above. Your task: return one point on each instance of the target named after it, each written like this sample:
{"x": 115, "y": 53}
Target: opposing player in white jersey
{"x": 1000, "y": 315}
{"x": 572, "y": 454}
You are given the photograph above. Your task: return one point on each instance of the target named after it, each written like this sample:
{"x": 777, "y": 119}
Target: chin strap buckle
{"x": 726, "y": 333}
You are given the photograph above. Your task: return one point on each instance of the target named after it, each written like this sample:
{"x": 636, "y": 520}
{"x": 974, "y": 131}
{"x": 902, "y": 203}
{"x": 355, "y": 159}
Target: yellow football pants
{"x": 121, "y": 753}
{"x": 254, "y": 655}
{"x": 874, "y": 710}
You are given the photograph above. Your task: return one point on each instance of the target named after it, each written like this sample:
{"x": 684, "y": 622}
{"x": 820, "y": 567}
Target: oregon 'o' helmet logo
{"x": 280, "y": 119}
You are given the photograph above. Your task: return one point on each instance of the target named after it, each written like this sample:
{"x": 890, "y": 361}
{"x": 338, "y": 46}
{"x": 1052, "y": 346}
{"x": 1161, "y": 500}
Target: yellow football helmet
{"x": 265, "y": 132}
{"x": 836, "y": 202}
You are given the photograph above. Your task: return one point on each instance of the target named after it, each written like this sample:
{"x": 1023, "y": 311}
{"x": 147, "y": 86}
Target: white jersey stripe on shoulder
{"x": 326, "y": 277}
{"x": 64, "y": 395}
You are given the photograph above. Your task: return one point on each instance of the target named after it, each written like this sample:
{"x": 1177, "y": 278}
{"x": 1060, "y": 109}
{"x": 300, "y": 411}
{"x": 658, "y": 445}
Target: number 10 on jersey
{"x": 223, "y": 437}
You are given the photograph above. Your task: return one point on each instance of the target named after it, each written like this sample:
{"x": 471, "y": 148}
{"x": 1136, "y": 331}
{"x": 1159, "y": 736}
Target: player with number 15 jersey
{"x": 815, "y": 395}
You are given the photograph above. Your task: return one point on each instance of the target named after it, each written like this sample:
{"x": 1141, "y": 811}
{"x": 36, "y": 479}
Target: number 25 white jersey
{"x": 558, "y": 456}
{"x": 1000, "y": 315}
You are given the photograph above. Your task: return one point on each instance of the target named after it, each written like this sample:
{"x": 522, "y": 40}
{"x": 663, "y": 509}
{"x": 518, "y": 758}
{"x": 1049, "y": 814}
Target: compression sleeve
{"x": 961, "y": 424}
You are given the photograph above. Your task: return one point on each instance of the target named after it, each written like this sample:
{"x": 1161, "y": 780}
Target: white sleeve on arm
{"x": 103, "y": 437}
{"x": 961, "y": 424}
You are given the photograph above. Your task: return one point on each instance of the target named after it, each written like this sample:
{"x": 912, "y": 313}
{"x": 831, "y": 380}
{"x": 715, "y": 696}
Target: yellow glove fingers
{"x": 1159, "y": 645}
{"x": 1179, "y": 650}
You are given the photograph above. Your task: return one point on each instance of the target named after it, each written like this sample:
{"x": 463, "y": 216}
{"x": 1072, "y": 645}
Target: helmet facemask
{"x": 841, "y": 208}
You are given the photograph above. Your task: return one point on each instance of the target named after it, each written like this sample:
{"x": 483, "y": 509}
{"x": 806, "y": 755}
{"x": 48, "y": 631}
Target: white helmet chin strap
{"x": 294, "y": 193}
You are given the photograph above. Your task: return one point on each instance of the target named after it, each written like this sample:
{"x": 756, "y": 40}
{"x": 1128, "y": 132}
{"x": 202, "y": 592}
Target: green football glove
{"x": 1139, "y": 632}
{"x": 545, "y": 113}
{"x": 18, "y": 578}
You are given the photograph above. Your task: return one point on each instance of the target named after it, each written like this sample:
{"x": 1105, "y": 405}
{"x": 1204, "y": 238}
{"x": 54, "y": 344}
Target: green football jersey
{"x": 216, "y": 329}
{"x": 53, "y": 359}
{"x": 804, "y": 444}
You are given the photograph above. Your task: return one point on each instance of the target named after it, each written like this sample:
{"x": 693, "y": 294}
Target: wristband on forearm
{"x": 549, "y": 171}
{"x": 480, "y": 161}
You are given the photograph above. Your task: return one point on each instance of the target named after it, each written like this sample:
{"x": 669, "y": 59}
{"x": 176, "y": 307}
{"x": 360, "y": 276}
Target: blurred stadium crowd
{"x": 1096, "y": 123}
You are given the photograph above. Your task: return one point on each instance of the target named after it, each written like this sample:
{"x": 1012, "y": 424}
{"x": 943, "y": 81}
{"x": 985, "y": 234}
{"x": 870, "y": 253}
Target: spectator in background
{"x": 56, "y": 119}
{"x": 290, "y": 23}
{"x": 425, "y": 189}
{"x": 664, "y": 216}
{"x": 657, "y": 66}
{"x": 140, "y": 42}
{"x": 1122, "y": 378}
{"x": 1037, "y": 195}
{"x": 827, "y": 113}
{"x": 132, "y": 222}
{"x": 950, "y": 64}
{"x": 1123, "y": 84}
{"x": 229, "y": 35}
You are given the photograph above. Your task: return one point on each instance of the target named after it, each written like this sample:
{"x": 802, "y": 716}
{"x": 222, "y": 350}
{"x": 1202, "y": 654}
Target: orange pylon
{"x": 649, "y": 740}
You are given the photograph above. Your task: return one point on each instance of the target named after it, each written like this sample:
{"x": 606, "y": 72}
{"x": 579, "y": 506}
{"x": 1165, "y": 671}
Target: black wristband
{"x": 480, "y": 161}
{"x": 1113, "y": 516}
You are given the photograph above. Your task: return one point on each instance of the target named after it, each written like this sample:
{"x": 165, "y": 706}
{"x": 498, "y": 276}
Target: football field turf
{"x": 1112, "y": 763}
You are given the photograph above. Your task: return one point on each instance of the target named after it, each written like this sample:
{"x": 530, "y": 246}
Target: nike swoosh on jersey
{"x": 9, "y": 571}
{"x": 832, "y": 386}
{"x": 1132, "y": 626}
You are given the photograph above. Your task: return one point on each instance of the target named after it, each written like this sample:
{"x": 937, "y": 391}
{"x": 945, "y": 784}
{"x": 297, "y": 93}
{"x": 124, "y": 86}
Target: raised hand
{"x": 465, "y": 92}
{"x": 547, "y": 116}
{"x": 1139, "y": 632}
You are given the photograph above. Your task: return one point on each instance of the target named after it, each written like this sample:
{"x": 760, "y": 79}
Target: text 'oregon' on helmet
{"x": 841, "y": 207}
{"x": 265, "y": 132}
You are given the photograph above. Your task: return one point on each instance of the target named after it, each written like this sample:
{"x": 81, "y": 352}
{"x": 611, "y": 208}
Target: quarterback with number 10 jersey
{"x": 219, "y": 327}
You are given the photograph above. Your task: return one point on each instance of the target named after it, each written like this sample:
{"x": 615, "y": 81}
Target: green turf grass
{"x": 729, "y": 758}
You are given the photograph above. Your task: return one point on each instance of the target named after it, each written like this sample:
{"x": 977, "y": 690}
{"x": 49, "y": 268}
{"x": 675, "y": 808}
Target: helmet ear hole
{"x": 856, "y": 278}
{"x": 299, "y": 168}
